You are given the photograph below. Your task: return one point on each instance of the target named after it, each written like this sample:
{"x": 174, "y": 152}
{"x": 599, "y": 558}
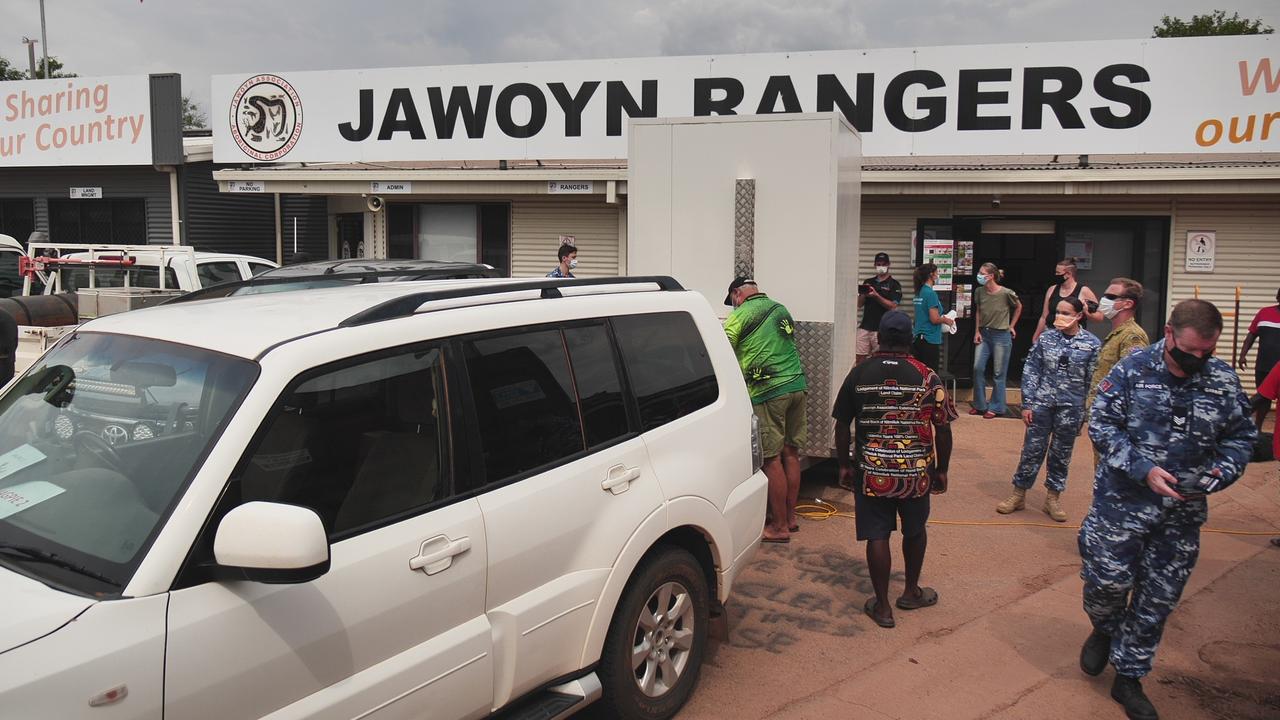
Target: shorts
{"x": 868, "y": 343}
{"x": 877, "y": 517}
{"x": 782, "y": 422}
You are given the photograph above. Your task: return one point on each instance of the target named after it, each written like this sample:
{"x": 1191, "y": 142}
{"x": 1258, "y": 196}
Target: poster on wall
{"x": 964, "y": 257}
{"x": 1201, "y": 248}
{"x": 964, "y": 303}
{"x": 942, "y": 254}
{"x": 1079, "y": 245}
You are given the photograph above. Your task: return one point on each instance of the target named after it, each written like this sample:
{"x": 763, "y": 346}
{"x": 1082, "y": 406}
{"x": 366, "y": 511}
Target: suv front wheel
{"x": 654, "y": 649}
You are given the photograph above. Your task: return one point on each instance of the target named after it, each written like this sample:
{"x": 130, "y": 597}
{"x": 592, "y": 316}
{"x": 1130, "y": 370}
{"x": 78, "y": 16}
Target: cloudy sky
{"x": 201, "y": 38}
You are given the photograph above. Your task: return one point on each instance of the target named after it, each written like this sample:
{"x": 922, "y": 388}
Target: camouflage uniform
{"x": 1137, "y": 547}
{"x": 1054, "y": 382}
{"x": 1129, "y": 337}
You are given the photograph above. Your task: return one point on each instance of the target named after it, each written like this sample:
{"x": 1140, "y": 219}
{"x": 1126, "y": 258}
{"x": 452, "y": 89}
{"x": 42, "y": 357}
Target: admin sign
{"x": 76, "y": 121}
{"x": 1185, "y": 95}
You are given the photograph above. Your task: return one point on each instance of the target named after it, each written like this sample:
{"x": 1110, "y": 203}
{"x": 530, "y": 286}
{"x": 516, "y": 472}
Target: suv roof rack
{"x": 363, "y": 277}
{"x": 408, "y": 305}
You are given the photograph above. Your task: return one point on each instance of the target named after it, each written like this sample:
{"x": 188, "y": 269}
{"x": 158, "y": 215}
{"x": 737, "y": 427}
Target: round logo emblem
{"x": 266, "y": 117}
{"x": 115, "y": 435}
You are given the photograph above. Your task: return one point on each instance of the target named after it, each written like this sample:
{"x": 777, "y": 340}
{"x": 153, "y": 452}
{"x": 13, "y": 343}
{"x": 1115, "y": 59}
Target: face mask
{"x": 1062, "y": 322}
{"x": 882, "y": 269}
{"x": 1190, "y": 364}
{"x": 573, "y": 263}
{"x": 982, "y": 279}
{"x": 1107, "y": 307}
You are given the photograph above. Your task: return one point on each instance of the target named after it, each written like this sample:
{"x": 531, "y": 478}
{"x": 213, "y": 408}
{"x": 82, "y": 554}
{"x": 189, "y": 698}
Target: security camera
{"x": 374, "y": 203}
{"x": 995, "y": 202}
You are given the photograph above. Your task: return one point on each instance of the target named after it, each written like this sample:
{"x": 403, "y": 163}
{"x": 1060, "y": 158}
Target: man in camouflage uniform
{"x": 1171, "y": 424}
{"x": 1119, "y": 304}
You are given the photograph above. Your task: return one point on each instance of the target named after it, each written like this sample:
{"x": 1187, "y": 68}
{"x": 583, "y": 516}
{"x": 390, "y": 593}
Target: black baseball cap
{"x": 896, "y": 323}
{"x": 737, "y": 283}
{"x": 880, "y": 257}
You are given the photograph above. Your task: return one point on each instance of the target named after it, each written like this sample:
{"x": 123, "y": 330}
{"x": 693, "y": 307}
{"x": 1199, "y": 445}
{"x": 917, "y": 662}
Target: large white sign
{"x": 1126, "y": 96}
{"x": 76, "y": 121}
{"x": 1202, "y": 248}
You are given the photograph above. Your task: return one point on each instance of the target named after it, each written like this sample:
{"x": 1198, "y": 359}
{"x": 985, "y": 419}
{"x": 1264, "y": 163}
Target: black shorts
{"x": 877, "y": 517}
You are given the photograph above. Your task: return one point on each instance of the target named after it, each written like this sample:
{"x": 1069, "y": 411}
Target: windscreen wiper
{"x": 36, "y": 554}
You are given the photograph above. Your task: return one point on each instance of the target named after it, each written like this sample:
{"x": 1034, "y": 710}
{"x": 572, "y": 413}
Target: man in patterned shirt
{"x": 902, "y": 414}
{"x": 762, "y": 334}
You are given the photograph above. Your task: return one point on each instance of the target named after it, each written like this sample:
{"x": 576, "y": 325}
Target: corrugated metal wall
{"x": 225, "y": 222}
{"x": 1248, "y": 257}
{"x": 538, "y": 223}
{"x": 42, "y": 184}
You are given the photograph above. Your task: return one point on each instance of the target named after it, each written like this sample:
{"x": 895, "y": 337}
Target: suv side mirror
{"x": 271, "y": 543}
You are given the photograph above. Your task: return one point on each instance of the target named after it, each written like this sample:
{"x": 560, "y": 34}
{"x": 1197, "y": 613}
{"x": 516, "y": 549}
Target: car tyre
{"x": 653, "y": 653}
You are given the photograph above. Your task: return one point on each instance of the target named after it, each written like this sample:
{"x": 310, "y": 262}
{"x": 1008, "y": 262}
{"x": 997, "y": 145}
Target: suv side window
{"x": 256, "y": 269}
{"x": 359, "y": 443}
{"x": 525, "y": 407}
{"x": 667, "y": 364}
{"x": 212, "y": 273}
{"x": 599, "y": 384}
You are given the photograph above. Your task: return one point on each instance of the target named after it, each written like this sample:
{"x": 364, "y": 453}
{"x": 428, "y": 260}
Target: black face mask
{"x": 1190, "y": 364}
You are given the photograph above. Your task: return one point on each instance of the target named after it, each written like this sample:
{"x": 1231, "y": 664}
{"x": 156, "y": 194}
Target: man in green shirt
{"x": 762, "y": 334}
{"x": 1119, "y": 304}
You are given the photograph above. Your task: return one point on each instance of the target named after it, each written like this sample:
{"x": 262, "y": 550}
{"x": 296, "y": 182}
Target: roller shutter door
{"x": 536, "y": 227}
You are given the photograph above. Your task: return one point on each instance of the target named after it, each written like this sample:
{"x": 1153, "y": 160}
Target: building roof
{"x": 996, "y": 163}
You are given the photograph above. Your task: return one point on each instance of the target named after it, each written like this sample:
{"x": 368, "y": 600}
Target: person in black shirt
{"x": 882, "y": 294}
{"x": 902, "y": 414}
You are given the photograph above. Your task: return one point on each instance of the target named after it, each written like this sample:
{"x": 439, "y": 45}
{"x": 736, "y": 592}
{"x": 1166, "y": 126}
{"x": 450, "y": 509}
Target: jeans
{"x": 997, "y": 345}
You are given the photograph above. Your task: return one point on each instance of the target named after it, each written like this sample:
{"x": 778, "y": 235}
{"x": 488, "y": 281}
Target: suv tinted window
{"x": 668, "y": 365}
{"x": 525, "y": 406}
{"x": 357, "y": 443}
{"x": 595, "y": 372}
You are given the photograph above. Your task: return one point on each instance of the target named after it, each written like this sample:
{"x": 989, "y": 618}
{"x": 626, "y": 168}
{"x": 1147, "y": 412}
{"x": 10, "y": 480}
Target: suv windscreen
{"x": 96, "y": 442}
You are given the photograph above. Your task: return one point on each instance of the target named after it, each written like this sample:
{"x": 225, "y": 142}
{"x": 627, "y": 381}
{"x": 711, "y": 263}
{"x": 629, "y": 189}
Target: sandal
{"x": 870, "y": 610}
{"x": 988, "y": 415}
{"x": 778, "y": 540}
{"x": 794, "y": 529}
{"x": 974, "y": 411}
{"x": 928, "y": 597}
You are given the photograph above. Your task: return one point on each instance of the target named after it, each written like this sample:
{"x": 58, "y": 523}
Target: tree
{"x": 8, "y": 71}
{"x": 192, "y": 117}
{"x": 1215, "y": 23}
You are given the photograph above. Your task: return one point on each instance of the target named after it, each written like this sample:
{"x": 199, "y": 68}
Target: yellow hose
{"x": 820, "y": 510}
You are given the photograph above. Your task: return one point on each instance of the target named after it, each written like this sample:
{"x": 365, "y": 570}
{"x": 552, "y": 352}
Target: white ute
{"x": 413, "y": 500}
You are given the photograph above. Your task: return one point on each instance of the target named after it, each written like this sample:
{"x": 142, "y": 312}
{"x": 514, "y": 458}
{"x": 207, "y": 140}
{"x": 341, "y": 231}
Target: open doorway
{"x": 1028, "y": 249}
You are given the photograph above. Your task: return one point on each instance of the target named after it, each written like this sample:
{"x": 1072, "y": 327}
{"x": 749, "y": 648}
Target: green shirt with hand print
{"x": 763, "y": 336}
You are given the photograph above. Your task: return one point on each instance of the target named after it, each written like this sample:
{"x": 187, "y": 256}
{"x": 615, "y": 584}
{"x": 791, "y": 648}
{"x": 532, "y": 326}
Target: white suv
{"x": 418, "y": 500}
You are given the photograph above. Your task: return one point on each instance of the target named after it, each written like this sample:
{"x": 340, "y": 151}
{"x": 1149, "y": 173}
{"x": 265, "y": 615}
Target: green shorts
{"x": 782, "y": 422}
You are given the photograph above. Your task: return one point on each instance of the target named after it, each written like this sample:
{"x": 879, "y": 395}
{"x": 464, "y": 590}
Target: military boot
{"x": 1128, "y": 692}
{"x": 1052, "y": 508}
{"x": 1016, "y": 501}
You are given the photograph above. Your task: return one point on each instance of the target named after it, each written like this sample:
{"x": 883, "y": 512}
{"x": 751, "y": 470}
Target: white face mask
{"x": 573, "y": 263}
{"x": 982, "y": 279}
{"x": 1107, "y": 307}
{"x": 882, "y": 269}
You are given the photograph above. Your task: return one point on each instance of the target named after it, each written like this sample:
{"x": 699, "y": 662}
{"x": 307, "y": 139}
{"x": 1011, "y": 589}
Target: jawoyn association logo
{"x": 266, "y": 117}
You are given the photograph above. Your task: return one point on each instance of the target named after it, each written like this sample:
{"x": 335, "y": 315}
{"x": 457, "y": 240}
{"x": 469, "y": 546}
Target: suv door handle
{"x": 620, "y": 478}
{"x": 437, "y": 554}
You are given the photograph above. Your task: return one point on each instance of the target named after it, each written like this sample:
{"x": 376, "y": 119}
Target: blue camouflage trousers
{"x": 1137, "y": 556}
{"x": 1053, "y": 429}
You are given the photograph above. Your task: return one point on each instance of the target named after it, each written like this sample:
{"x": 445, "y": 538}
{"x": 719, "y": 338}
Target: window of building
{"x": 17, "y": 218}
{"x": 524, "y": 401}
{"x": 454, "y": 232}
{"x": 595, "y": 373}
{"x": 212, "y": 273}
{"x": 359, "y": 444}
{"x": 119, "y": 221}
{"x": 670, "y": 372}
